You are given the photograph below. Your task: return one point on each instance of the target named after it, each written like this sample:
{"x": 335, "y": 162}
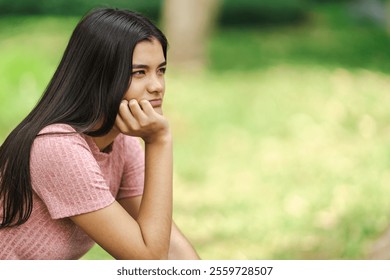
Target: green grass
{"x": 281, "y": 147}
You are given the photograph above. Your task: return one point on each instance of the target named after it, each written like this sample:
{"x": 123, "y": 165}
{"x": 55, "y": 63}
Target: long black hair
{"x": 85, "y": 91}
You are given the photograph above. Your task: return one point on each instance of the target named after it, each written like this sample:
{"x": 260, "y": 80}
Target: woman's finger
{"x": 147, "y": 108}
{"x": 126, "y": 116}
{"x": 137, "y": 112}
{"x": 135, "y": 108}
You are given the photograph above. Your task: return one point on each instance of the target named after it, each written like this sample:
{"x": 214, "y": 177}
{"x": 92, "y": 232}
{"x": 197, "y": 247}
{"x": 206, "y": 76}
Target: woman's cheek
{"x": 134, "y": 92}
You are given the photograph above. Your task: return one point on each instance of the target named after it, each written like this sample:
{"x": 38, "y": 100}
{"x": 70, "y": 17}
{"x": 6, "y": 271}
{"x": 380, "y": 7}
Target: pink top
{"x": 70, "y": 176}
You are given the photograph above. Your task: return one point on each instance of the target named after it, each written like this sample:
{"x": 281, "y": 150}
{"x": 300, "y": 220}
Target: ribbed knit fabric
{"x": 70, "y": 176}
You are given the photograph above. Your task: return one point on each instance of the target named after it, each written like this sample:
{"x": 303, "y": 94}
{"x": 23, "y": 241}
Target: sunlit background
{"x": 280, "y": 113}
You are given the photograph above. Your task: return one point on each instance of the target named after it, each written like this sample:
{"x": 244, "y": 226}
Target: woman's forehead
{"x": 148, "y": 52}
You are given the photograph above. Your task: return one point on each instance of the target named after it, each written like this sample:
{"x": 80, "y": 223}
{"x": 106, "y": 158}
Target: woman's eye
{"x": 162, "y": 70}
{"x": 138, "y": 73}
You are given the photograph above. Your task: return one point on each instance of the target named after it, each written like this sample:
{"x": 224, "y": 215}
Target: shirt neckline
{"x": 95, "y": 149}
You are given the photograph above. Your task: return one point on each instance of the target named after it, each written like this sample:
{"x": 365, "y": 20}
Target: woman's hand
{"x": 141, "y": 120}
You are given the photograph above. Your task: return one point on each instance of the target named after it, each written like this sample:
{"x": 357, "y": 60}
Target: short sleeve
{"x": 134, "y": 169}
{"x": 66, "y": 176}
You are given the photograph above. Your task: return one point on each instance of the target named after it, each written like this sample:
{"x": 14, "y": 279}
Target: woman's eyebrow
{"x": 144, "y": 66}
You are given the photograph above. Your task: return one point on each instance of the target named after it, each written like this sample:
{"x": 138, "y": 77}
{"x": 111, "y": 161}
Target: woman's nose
{"x": 156, "y": 84}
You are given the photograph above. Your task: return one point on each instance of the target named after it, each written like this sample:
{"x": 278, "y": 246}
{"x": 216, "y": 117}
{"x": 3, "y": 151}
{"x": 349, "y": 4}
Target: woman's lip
{"x": 156, "y": 102}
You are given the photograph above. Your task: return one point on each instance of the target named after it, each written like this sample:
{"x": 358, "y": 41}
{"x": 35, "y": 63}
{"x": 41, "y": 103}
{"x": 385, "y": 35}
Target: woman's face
{"x": 148, "y": 80}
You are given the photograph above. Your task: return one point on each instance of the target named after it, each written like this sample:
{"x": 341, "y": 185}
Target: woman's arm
{"x": 148, "y": 235}
{"x": 180, "y": 248}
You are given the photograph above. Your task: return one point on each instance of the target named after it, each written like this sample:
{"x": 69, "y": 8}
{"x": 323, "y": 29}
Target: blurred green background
{"x": 281, "y": 142}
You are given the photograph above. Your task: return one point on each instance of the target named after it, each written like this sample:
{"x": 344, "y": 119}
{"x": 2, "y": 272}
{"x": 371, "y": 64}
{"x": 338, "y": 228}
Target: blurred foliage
{"x": 249, "y": 12}
{"x": 232, "y": 13}
{"x": 243, "y": 12}
{"x": 331, "y": 38}
{"x": 150, "y": 8}
{"x": 330, "y": 1}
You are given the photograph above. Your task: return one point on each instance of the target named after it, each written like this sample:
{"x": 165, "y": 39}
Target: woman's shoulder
{"x": 59, "y": 128}
{"x": 130, "y": 142}
{"x": 132, "y": 147}
{"x": 58, "y": 136}
{"x": 59, "y": 143}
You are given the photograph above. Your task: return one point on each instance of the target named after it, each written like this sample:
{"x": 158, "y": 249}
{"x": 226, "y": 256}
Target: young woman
{"x": 73, "y": 172}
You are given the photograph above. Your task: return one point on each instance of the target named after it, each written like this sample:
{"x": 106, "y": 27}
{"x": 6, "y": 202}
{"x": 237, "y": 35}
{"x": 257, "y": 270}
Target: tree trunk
{"x": 188, "y": 25}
